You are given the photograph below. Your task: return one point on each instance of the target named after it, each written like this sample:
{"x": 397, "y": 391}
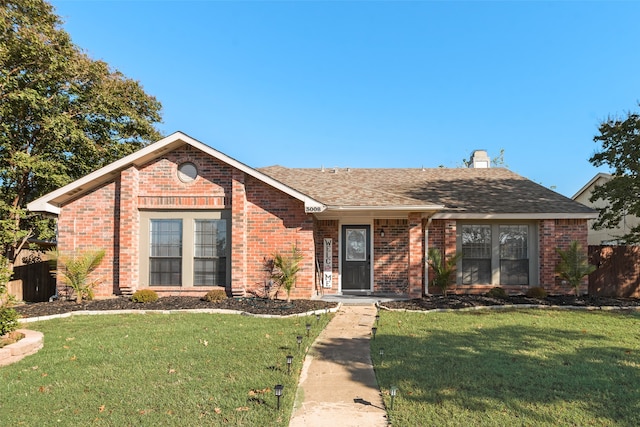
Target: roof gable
{"x": 51, "y": 202}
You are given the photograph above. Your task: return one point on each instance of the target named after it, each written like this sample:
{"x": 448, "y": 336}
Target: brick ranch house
{"x": 180, "y": 217}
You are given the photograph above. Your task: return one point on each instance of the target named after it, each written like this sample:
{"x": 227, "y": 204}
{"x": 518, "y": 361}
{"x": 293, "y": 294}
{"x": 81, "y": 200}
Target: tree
{"x": 574, "y": 265}
{"x": 62, "y": 115}
{"x": 620, "y": 140}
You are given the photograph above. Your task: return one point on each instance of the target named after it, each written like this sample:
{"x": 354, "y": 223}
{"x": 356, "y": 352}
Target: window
{"x": 476, "y": 254}
{"x": 187, "y": 172}
{"x": 514, "y": 255}
{"x": 185, "y": 249}
{"x": 497, "y": 253}
{"x": 210, "y": 253}
{"x": 165, "y": 261}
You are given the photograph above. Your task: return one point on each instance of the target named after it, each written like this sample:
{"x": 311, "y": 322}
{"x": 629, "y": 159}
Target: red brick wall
{"x": 88, "y": 223}
{"x": 416, "y": 255}
{"x": 264, "y": 220}
{"x": 552, "y": 233}
{"x": 391, "y": 256}
{"x": 559, "y": 233}
{"x": 275, "y": 223}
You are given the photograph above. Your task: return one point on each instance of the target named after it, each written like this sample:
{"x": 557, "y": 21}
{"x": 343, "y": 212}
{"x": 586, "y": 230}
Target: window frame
{"x": 188, "y": 245}
{"x": 215, "y": 256}
{"x": 532, "y": 249}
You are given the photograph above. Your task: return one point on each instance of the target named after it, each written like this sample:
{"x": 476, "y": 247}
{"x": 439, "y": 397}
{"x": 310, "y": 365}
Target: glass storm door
{"x": 356, "y": 258}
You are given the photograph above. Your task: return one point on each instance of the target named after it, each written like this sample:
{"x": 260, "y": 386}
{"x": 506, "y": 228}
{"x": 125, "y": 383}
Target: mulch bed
{"x": 249, "y": 305}
{"x": 282, "y": 308}
{"x": 464, "y": 301}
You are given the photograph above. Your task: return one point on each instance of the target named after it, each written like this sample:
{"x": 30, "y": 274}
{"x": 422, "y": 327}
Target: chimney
{"x": 480, "y": 160}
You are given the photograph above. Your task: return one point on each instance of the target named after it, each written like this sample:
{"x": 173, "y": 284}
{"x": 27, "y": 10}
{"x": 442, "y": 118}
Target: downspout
{"x": 426, "y": 255}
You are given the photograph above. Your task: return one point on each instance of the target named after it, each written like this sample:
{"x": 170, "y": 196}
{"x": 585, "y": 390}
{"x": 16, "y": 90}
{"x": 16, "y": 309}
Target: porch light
{"x": 308, "y": 328}
{"x": 278, "y": 391}
{"x": 373, "y": 332}
{"x": 382, "y": 232}
{"x": 299, "y": 341}
{"x": 393, "y": 392}
{"x": 289, "y": 360}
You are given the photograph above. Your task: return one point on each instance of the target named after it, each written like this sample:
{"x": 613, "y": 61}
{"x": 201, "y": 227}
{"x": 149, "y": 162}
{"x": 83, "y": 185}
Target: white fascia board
{"x": 415, "y": 208}
{"x": 520, "y": 216}
{"x": 51, "y": 202}
{"x": 388, "y": 212}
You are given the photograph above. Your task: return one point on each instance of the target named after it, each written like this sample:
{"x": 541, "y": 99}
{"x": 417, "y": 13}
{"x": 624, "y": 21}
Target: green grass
{"x": 154, "y": 369}
{"x": 515, "y": 368}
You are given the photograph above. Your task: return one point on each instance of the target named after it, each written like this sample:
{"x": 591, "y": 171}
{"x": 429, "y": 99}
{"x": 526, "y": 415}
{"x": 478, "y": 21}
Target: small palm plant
{"x": 74, "y": 271}
{"x": 286, "y": 268}
{"x": 574, "y": 265}
{"x": 443, "y": 269}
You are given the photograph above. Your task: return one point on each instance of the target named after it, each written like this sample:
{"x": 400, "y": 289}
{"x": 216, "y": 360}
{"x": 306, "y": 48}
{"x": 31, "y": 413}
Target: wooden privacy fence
{"x": 618, "y": 272}
{"x": 32, "y": 280}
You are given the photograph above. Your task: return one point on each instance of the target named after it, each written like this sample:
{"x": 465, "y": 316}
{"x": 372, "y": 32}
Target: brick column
{"x": 128, "y": 244}
{"x": 416, "y": 255}
{"x": 238, "y": 234}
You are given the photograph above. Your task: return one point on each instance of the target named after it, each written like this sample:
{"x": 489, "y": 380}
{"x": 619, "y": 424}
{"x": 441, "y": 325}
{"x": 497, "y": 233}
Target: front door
{"x": 356, "y": 258}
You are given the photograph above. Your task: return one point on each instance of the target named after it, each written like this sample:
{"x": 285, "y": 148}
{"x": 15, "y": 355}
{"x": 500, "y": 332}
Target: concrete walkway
{"x": 337, "y": 384}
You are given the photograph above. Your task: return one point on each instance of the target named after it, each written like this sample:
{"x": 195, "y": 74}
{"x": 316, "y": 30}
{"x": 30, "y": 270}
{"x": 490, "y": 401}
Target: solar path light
{"x": 278, "y": 390}
{"x": 289, "y": 360}
{"x": 299, "y": 341}
{"x": 393, "y": 392}
{"x": 373, "y": 332}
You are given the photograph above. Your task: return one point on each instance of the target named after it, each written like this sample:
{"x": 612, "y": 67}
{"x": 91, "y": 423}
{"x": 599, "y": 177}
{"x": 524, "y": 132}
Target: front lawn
{"x": 155, "y": 369}
{"x": 515, "y": 368}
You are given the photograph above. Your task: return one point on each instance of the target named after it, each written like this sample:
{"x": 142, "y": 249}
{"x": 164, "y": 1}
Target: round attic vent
{"x": 187, "y": 172}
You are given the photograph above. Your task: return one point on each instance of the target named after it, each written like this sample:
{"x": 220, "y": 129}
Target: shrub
{"x": 8, "y": 320}
{"x": 286, "y": 268}
{"x": 443, "y": 267}
{"x": 8, "y": 316}
{"x": 144, "y": 295}
{"x": 497, "y": 292}
{"x": 75, "y": 269}
{"x": 215, "y": 295}
{"x": 574, "y": 265}
{"x": 537, "y": 292}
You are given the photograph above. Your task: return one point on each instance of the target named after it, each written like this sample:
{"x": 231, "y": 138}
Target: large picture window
{"x": 210, "y": 254}
{"x": 497, "y": 253}
{"x": 185, "y": 248}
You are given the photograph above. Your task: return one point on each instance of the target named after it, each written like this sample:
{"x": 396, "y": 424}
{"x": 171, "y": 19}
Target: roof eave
{"x": 517, "y": 216}
{"x": 414, "y": 208}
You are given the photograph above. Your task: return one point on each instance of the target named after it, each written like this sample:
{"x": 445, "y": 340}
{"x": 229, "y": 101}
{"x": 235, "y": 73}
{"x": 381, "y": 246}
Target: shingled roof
{"x": 454, "y": 191}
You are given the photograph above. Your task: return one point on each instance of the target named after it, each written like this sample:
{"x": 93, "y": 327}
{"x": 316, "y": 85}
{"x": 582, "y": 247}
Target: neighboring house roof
{"x": 51, "y": 202}
{"x": 592, "y": 182}
{"x": 453, "y": 193}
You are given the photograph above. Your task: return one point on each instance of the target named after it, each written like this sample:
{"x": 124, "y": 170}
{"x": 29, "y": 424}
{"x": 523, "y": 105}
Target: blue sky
{"x": 379, "y": 83}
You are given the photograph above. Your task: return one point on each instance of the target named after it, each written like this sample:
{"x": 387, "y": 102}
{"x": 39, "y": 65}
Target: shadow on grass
{"x": 524, "y": 370}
